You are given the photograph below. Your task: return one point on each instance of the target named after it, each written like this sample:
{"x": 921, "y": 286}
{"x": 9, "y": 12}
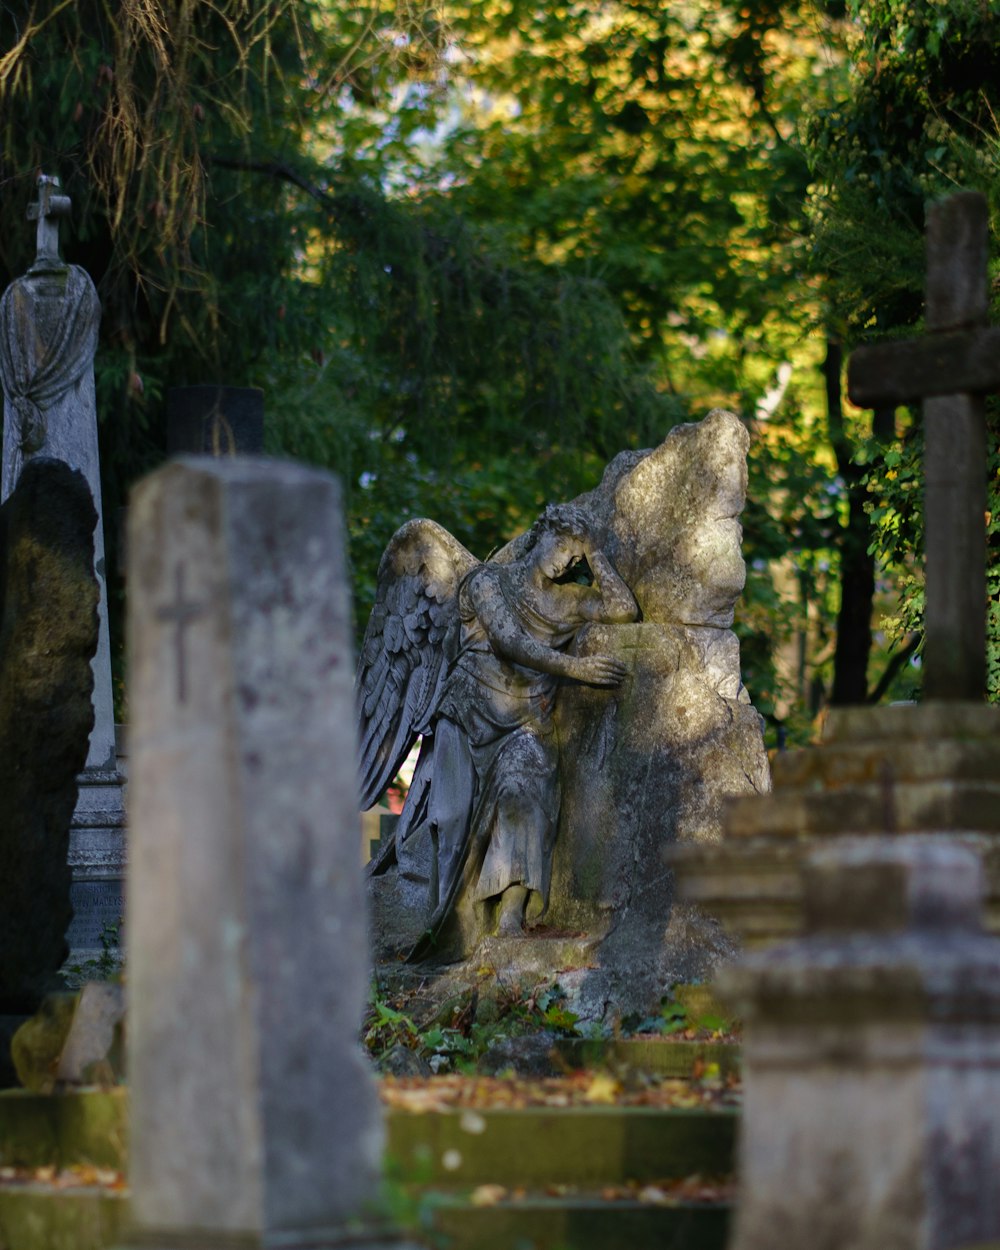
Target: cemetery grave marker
{"x": 49, "y": 321}
{"x": 253, "y": 1113}
{"x": 951, "y": 369}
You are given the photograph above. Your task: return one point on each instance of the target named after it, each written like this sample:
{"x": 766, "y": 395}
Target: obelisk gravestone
{"x": 49, "y": 322}
{"x": 253, "y": 1113}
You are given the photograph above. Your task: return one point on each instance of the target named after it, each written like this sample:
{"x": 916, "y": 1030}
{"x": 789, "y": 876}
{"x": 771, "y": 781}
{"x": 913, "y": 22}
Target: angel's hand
{"x": 598, "y": 670}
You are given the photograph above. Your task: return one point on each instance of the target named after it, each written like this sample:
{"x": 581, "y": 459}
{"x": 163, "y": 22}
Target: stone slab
{"x": 247, "y": 944}
{"x": 581, "y": 1222}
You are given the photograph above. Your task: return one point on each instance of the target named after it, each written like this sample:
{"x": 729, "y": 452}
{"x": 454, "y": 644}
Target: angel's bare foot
{"x": 512, "y": 904}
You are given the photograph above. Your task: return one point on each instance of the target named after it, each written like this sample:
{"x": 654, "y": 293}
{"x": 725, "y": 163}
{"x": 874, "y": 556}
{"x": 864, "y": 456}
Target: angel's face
{"x": 554, "y": 553}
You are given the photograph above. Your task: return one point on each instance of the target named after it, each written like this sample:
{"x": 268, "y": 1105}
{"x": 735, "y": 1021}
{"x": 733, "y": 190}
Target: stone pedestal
{"x": 931, "y": 768}
{"x": 871, "y": 1058}
{"x": 254, "y": 1121}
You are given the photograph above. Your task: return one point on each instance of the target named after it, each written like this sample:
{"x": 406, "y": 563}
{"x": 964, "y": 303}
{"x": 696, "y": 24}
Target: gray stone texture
{"x": 933, "y": 768}
{"x": 48, "y": 632}
{"x": 871, "y": 1058}
{"x": 254, "y": 1119}
{"x": 652, "y": 765}
{"x": 648, "y": 764}
{"x": 38, "y": 1042}
{"x": 49, "y": 321}
{"x": 94, "y": 1053}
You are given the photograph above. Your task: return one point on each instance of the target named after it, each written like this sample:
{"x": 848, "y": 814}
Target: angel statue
{"x": 469, "y": 657}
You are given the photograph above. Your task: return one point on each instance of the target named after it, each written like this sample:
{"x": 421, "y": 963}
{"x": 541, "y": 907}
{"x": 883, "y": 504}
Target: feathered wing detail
{"x": 403, "y": 659}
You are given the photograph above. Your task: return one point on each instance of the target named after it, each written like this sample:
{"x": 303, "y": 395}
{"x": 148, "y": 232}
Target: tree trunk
{"x": 857, "y": 567}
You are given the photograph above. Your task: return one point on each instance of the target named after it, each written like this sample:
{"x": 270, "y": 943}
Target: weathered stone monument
{"x": 870, "y": 1058}
{"x": 570, "y": 731}
{"x": 48, "y": 633}
{"x": 253, "y": 1114}
{"x": 48, "y": 336}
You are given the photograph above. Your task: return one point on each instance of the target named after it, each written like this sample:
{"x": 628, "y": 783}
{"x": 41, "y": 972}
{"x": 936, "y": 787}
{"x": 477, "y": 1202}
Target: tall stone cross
{"x": 951, "y": 368}
{"x": 47, "y": 211}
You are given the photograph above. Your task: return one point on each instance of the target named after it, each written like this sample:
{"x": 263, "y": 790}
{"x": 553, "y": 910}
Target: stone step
{"x": 38, "y": 1217}
{"x": 912, "y": 807}
{"x": 923, "y": 721}
{"x": 657, "y": 1056}
{"x": 436, "y": 1162}
{"x": 538, "y": 1146}
{"x": 895, "y": 762}
{"x": 63, "y": 1130}
{"x": 582, "y": 1222}
{"x": 753, "y": 885}
{"x": 524, "y": 1146}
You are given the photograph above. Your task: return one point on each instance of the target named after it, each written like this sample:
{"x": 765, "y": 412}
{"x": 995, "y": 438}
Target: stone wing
{"x": 404, "y": 658}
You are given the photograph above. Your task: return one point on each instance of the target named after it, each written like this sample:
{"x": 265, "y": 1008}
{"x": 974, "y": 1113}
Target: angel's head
{"x": 558, "y": 539}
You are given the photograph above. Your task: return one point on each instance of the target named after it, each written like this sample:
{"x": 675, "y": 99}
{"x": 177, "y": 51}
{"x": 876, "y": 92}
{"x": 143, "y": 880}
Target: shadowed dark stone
{"x": 48, "y": 634}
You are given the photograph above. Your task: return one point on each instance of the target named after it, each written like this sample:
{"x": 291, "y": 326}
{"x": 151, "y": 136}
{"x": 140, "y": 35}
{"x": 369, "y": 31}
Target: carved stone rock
{"x": 48, "y": 634}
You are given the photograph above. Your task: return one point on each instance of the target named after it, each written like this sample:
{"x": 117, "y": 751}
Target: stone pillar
{"x": 872, "y": 1058}
{"x": 253, "y": 1113}
{"x": 49, "y": 322}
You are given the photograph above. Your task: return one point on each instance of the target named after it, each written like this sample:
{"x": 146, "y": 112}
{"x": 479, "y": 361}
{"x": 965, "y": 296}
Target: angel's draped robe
{"x": 495, "y": 758}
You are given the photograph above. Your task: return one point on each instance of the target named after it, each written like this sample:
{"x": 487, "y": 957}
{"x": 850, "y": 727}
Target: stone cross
{"x": 951, "y": 369}
{"x": 47, "y": 211}
{"x": 254, "y": 1120}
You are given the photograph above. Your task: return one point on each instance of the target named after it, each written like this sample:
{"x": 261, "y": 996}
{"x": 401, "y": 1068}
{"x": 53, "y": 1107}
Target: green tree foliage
{"x": 236, "y": 177}
{"x": 920, "y": 122}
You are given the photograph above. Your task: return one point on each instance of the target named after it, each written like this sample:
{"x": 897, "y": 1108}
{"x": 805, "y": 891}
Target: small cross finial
{"x": 47, "y": 211}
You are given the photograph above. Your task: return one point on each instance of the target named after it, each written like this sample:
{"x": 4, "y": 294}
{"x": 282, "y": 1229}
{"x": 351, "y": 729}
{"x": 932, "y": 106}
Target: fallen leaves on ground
{"x": 577, "y": 1089}
{"x": 664, "y": 1193}
{"x": 81, "y": 1176}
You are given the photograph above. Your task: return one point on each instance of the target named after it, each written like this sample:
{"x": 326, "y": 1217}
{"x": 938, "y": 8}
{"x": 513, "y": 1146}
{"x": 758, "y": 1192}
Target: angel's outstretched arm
{"x": 512, "y": 642}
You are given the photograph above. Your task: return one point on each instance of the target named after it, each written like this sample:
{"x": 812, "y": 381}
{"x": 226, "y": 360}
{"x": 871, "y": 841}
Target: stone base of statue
{"x": 97, "y": 857}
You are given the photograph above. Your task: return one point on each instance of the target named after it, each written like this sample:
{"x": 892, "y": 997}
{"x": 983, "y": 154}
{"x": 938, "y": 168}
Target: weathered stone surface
{"x": 38, "y": 1043}
{"x": 253, "y": 1112}
{"x": 48, "y": 632}
{"x": 675, "y": 524}
{"x": 49, "y": 321}
{"x": 871, "y": 1058}
{"x": 94, "y": 1053}
{"x": 932, "y": 768}
{"x": 646, "y": 764}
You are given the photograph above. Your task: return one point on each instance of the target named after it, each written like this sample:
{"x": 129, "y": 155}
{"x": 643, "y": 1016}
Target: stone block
{"x": 872, "y": 1058}
{"x": 254, "y": 1116}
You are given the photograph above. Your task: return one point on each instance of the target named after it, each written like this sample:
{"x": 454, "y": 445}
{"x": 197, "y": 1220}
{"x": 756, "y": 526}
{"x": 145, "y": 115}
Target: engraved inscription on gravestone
{"x": 95, "y": 903}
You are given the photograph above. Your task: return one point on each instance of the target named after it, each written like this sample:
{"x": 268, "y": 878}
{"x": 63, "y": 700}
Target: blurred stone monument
{"x": 254, "y": 1118}
{"x": 870, "y": 1058}
{"x": 49, "y": 323}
